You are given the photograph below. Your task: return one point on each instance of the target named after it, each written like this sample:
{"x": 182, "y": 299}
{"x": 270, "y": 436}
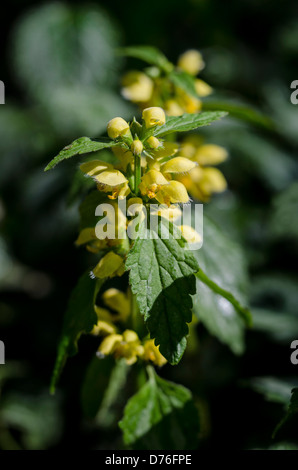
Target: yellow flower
{"x": 170, "y": 213}
{"x": 190, "y": 234}
{"x": 151, "y": 353}
{"x": 173, "y": 192}
{"x": 127, "y": 345}
{"x": 173, "y": 108}
{"x": 190, "y": 104}
{"x": 191, "y": 62}
{"x": 177, "y": 165}
{"x": 117, "y": 127}
{"x": 95, "y": 167}
{"x": 202, "y": 88}
{"x": 210, "y": 154}
{"x": 112, "y": 181}
{"x": 137, "y": 87}
{"x": 119, "y": 302}
{"x": 151, "y": 183}
{"x": 124, "y": 155}
{"x": 109, "y": 266}
{"x": 153, "y": 142}
{"x": 103, "y": 328}
{"x": 136, "y": 147}
{"x": 154, "y": 117}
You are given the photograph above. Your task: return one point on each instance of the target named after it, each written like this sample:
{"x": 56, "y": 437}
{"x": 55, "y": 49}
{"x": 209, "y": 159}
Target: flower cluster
{"x": 155, "y": 87}
{"x": 117, "y": 311}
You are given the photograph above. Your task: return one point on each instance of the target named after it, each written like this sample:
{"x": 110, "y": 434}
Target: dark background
{"x": 250, "y": 48}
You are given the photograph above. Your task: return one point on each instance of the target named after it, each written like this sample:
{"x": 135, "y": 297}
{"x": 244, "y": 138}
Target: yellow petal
{"x": 210, "y": 154}
{"x": 108, "y": 266}
{"x": 86, "y": 235}
{"x": 168, "y": 149}
{"x": 109, "y": 344}
{"x": 118, "y": 301}
{"x": 190, "y": 234}
{"x": 153, "y": 142}
{"x": 191, "y": 61}
{"x": 202, "y": 88}
{"x": 178, "y": 165}
{"x": 174, "y": 192}
{"x": 125, "y": 156}
{"x": 170, "y": 213}
{"x": 137, "y": 87}
{"x": 130, "y": 336}
{"x": 152, "y": 182}
{"x": 154, "y": 116}
{"x": 103, "y": 314}
{"x": 173, "y": 108}
{"x": 213, "y": 181}
{"x": 117, "y": 127}
{"x": 94, "y": 167}
{"x": 110, "y": 178}
{"x": 151, "y": 353}
{"x": 103, "y": 328}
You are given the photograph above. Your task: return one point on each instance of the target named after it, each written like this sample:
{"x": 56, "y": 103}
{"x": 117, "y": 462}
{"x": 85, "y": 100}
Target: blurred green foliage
{"x": 62, "y": 80}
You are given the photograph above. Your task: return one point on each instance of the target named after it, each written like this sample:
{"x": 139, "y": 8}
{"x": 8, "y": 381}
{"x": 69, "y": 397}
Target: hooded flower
{"x": 127, "y": 345}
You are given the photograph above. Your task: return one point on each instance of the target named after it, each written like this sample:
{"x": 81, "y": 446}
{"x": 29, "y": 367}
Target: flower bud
{"x": 137, "y": 87}
{"x": 202, "y": 88}
{"x": 173, "y": 192}
{"x": 154, "y": 117}
{"x": 210, "y": 154}
{"x": 191, "y": 62}
{"x": 136, "y": 147}
{"x": 117, "y": 127}
{"x": 178, "y": 165}
{"x": 190, "y": 234}
{"x": 153, "y": 142}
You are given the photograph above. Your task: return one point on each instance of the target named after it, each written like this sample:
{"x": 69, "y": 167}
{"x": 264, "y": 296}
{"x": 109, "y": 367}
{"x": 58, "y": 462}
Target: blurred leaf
{"x": 78, "y": 147}
{"x": 149, "y": 54}
{"x": 274, "y": 390}
{"x": 161, "y": 416}
{"x": 243, "y": 312}
{"x": 109, "y": 408}
{"x": 185, "y": 81}
{"x": 79, "y": 318}
{"x": 187, "y": 122}
{"x": 278, "y": 325}
{"x": 244, "y": 113}
{"x": 162, "y": 278}
{"x": 36, "y": 417}
{"x": 224, "y": 262}
{"x": 284, "y": 446}
{"x": 292, "y": 410}
{"x": 58, "y": 45}
{"x": 95, "y": 383}
{"x": 284, "y": 222}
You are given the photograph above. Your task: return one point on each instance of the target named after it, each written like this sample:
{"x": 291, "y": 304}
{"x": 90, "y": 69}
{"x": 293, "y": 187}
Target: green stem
{"x": 137, "y": 174}
{"x": 242, "y": 311}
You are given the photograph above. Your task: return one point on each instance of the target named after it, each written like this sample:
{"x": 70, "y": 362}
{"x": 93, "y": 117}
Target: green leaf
{"x": 94, "y": 385}
{"x": 162, "y": 415}
{"x": 274, "y": 390}
{"x": 87, "y": 209}
{"x": 80, "y": 317}
{"x": 78, "y": 147}
{"x": 292, "y": 410}
{"x": 284, "y": 224}
{"x": 244, "y": 113}
{"x": 279, "y": 325}
{"x": 184, "y": 81}
{"x": 223, "y": 261}
{"x": 148, "y": 54}
{"x": 187, "y": 122}
{"x": 162, "y": 277}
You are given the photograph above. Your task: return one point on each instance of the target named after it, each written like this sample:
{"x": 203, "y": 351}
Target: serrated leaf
{"x": 79, "y": 147}
{"x": 292, "y": 410}
{"x": 162, "y": 415}
{"x": 185, "y": 81}
{"x": 223, "y": 261}
{"x": 148, "y": 54}
{"x": 187, "y": 122}
{"x": 162, "y": 278}
{"x": 79, "y": 318}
